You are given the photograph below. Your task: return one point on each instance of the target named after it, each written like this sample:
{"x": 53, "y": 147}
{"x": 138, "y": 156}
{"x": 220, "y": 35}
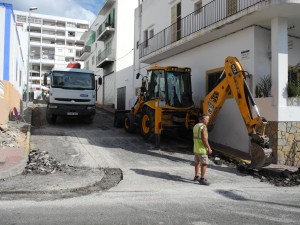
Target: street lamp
{"x": 28, "y": 63}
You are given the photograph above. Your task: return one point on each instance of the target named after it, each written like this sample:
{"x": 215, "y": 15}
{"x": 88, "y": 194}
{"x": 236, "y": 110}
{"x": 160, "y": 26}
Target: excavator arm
{"x": 233, "y": 81}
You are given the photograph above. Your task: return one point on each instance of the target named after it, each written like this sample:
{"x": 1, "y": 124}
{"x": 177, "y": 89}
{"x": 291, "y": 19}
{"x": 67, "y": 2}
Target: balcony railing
{"x": 85, "y": 52}
{"x": 104, "y": 31}
{"x": 105, "y": 57}
{"x": 209, "y": 14}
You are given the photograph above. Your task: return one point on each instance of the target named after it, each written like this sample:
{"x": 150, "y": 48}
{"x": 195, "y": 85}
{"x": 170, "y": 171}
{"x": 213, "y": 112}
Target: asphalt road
{"x": 156, "y": 186}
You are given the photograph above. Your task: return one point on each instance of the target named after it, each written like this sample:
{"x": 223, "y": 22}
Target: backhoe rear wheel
{"x": 129, "y": 123}
{"x": 147, "y": 123}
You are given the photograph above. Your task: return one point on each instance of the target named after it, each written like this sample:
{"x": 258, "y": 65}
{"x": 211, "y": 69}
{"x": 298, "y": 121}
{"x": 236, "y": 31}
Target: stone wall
{"x": 285, "y": 142}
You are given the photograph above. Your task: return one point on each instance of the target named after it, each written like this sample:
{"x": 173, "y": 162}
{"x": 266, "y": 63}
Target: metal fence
{"x": 209, "y": 14}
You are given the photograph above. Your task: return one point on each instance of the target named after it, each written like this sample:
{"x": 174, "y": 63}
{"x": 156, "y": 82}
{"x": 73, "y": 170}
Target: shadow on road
{"x": 231, "y": 194}
{"x": 162, "y": 175}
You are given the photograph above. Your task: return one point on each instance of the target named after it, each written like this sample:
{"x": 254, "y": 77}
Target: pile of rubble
{"x": 40, "y": 162}
{"x": 284, "y": 178}
{"x": 10, "y": 134}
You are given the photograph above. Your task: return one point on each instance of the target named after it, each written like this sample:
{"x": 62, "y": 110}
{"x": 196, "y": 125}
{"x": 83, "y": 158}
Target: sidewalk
{"x": 14, "y": 159}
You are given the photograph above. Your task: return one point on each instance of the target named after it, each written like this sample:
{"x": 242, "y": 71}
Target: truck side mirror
{"x": 137, "y": 75}
{"x": 45, "y": 79}
{"x": 100, "y": 80}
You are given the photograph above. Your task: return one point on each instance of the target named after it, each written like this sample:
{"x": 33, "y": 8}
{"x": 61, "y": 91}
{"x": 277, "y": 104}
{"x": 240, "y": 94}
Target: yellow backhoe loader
{"x": 165, "y": 103}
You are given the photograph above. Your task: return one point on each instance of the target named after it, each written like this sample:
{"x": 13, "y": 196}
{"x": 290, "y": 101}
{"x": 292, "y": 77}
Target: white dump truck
{"x": 72, "y": 93}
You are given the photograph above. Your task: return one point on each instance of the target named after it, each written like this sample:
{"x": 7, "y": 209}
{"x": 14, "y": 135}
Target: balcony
{"x": 106, "y": 7}
{"x": 105, "y": 31}
{"x": 214, "y": 20}
{"x": 85, "y": 52}
{"x": 105, "y": 57}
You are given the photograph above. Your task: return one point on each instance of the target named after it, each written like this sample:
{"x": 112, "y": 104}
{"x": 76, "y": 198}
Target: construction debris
{"x": 11, "y": 134}
{"x": 40, "y": 162}
{"x": 283, "y": 178}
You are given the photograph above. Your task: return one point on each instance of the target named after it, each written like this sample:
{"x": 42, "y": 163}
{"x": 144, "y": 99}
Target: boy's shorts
{"x": 202, "y": 159}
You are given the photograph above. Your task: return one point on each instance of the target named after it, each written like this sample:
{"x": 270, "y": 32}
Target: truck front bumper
{"x": 71, "y": 110}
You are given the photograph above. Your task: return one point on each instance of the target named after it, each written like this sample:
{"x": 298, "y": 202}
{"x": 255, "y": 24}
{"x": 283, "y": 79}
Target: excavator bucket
{"x": 260, "y": 156}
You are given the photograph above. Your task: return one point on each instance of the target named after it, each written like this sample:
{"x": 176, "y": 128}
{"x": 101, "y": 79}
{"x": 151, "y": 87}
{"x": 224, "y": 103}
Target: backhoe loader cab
{"x": 170, "y": 84}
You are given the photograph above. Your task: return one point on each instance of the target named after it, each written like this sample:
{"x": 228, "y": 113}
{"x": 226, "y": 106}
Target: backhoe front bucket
{"x": 260, "y": 156}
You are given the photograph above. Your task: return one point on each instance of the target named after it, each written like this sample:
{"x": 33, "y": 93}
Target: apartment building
{"x": 264, "y": 35}
{"x": 109, "y": 50}
{"x": 54, "y": 41}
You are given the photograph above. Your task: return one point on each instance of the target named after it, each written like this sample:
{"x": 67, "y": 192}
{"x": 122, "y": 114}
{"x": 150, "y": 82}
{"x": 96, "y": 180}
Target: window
{"x": 146, "y": 38}
{"x": 176, "y": 22}
{"x": 137, "y": 44}
{"x": 93, "y": 60}
{"x": 198, "y": 6}
{"x": 71, "y": 34}
{"x": 151, "y": 33}
{"x": 212, "y": 79}
{"x": 70, "y": 51}
{"x": 71, "y": 25}
{"x": 21, "y": 18}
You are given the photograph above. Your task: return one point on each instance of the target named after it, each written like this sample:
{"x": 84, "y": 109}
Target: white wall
{"x": 2, "y": 28}
{"x": 16, "y": 62}
{"x": 125, "y": 48}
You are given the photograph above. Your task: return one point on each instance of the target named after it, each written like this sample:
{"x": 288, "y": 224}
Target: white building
{"x": 12, "y": 58}
{"x": 264, "y": 35}
{"x": 54, "y": 41}
{"x": 110, "y": 55}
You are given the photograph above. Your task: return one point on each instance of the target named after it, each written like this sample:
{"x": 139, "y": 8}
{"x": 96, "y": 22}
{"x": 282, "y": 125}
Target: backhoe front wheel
{"x": 147, "y": 124}
{"x": 129, "y": 123}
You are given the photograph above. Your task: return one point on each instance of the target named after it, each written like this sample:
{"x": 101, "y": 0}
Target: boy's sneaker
{"x": 196, "y": 178}
{"x": 203, "y": 182}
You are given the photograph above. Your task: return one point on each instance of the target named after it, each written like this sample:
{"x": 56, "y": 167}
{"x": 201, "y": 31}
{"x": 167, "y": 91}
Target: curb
{"x": 16, "y": 170}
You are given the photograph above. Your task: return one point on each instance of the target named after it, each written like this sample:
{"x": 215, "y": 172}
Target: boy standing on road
{"x": 201, "y": 149}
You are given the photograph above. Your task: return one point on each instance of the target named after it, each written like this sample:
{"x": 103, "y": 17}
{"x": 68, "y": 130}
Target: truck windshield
{"x": 72, "y": 80}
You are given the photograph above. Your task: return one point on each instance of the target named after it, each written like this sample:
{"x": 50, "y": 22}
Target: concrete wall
{"x": 9, "y": 98}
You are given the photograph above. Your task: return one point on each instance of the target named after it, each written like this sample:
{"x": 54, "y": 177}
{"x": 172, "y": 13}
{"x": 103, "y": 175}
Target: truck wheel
{"x": 51, "y": 119}
{"x": 89, "y": 119}
{"x": 129, "y": 123}
{"x": 147, "y": 124}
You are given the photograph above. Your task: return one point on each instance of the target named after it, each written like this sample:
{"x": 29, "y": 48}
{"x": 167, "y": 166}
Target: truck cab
{"x": 71, "y": 94}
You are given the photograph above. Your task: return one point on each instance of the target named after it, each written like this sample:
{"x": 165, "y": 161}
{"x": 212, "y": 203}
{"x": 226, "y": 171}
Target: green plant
{"x": 263, "y": 87}
{"x": 293, "y": 89}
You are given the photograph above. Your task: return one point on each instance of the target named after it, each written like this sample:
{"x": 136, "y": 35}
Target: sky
{"x": 77, "y": 9}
